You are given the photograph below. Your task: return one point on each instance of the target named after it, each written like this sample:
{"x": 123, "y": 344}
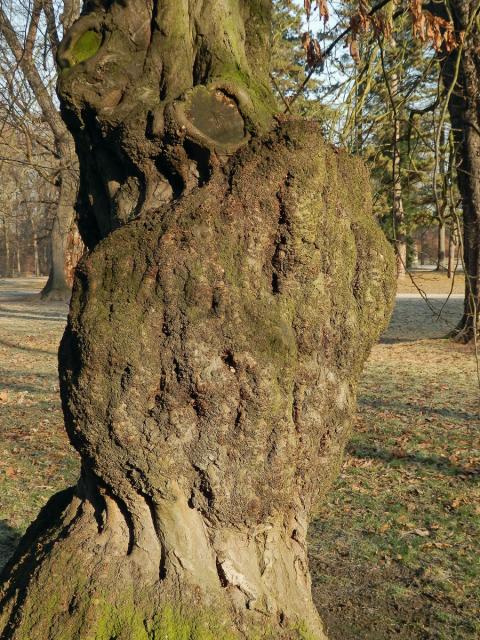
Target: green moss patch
{"x": 85, "y": 47}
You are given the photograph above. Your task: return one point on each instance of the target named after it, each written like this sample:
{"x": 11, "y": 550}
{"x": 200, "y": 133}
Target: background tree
{"x": 29, "y": 39}
{"x": 453, "y": 30}
{"x": 461, "y": 77}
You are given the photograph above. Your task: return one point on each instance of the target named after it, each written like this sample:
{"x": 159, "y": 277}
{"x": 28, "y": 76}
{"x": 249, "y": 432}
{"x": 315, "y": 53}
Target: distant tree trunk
{"x": 234, "y": 283}
{"x": 451, "y": 254}
{"x": 56, "y": 287}
{"x": 442, "y": 202}
{"x": 464, "y": 108}
{"x": 398, "y": 211}
{"x": 36, "y": 258}
{"x": 18, "y": 247}
{"x": 442, "y": 246}
{"x": 6, "y": 240}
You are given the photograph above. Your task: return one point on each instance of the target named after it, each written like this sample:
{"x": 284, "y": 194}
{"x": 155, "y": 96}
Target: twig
{"x": 329, "y": 50}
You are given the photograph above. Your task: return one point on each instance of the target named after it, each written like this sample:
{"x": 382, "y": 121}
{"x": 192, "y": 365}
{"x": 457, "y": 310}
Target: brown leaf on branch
{"x": 312, "y": 49}
{"x": 323, "y": 8}
{"x": 382, "y": 25}
{"x": 359, "y": 23}
{"x": 364, "y": 8}
{"x": 308, "y": 7}
{"x": 321, "y": 5}
{"x": 429, "y": 28}
{"x": 354, "y": 49}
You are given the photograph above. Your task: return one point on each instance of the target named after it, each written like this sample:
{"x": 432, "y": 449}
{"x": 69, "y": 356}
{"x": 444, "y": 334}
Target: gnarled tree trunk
{"x": 234, "y": 285}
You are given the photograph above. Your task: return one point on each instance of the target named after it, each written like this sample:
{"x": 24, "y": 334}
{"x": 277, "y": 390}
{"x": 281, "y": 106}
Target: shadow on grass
{"x": 414, "y": 407}
{"x": 21, "y": 347}
{"x": 42, "y": 383}
{"x": 9, "y": 539}
{"x": 431, "y": 462}
{"x": 42, "y": 316}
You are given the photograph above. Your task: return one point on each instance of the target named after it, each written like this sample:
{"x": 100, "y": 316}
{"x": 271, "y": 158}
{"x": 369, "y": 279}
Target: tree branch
{"x": 33, "y": 78}
{"x": 329, "y": 50}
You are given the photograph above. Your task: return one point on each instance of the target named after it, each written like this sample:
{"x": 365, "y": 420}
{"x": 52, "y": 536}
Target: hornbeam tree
{"x": 234, "y": 283}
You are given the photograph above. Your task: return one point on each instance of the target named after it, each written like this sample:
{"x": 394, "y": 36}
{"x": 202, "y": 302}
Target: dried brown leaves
{"x": 429, "y": 28}
{"x": 425, "y": 26}
{"x": 311, "y": 45}
{"x": 322, "y": 7}
{"x": 312, "y": 49}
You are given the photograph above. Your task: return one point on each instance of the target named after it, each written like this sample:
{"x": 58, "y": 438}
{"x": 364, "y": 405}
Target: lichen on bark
{"x": 217, "y": 330}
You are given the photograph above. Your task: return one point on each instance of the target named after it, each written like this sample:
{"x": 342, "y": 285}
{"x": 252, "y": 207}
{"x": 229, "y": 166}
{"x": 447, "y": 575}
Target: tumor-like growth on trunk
{"x": 235, "y": 283}
{"x": 156, "y": 95}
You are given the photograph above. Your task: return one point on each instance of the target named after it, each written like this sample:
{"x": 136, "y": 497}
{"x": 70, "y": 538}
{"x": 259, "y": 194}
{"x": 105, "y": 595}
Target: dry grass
{"x": 432, "y": 282}
{"x": 35, "y": 459}
{"x": 394, "y": 552}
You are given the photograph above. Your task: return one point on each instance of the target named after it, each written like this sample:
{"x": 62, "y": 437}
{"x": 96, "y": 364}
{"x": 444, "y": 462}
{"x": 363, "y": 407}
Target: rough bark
{"x": 464, "y": 108}
{"x": 235, "y": 282}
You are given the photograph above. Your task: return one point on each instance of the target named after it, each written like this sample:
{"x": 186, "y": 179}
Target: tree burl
{"x": 234, "y": 284}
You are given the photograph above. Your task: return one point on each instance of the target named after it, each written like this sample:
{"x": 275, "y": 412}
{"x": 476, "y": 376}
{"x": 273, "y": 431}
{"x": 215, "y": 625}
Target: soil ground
{"x": 394, "y": 553}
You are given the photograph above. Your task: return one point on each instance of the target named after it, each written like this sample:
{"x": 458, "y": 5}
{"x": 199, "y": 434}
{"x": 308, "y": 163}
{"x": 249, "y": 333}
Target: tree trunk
{"x": 442, "y": 247}
{"x": 234, "y": 285}
{"x": 464, "y": 108}
{"x": 57, "y": 286}
{"x": 398, "y": 212}
{"x": 18, "y": 246}
{"x": 6, "y": 240}
{"x": 36, "y": 259}
{"x": 451, "y": 254}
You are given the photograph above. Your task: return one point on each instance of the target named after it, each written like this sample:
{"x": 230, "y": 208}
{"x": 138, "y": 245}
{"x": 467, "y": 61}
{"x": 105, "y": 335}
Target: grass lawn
{"x": 394, "y": 553}
{"x": 431, "y": 282}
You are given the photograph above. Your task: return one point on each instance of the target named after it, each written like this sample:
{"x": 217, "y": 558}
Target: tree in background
{"x": 29, "y": 38}
{"x": 460, "y": 69}
{"x": 453, "y": 30}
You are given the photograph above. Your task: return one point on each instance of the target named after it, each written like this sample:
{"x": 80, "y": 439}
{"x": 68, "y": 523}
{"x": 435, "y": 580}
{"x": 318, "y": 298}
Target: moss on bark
{"x": 209, "y": 373}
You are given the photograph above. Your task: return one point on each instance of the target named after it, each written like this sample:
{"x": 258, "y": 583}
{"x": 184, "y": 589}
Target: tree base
{"x": 464, "y": 332}
{"x": 71, "y": 580}
{"x": 52, "y": 293}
